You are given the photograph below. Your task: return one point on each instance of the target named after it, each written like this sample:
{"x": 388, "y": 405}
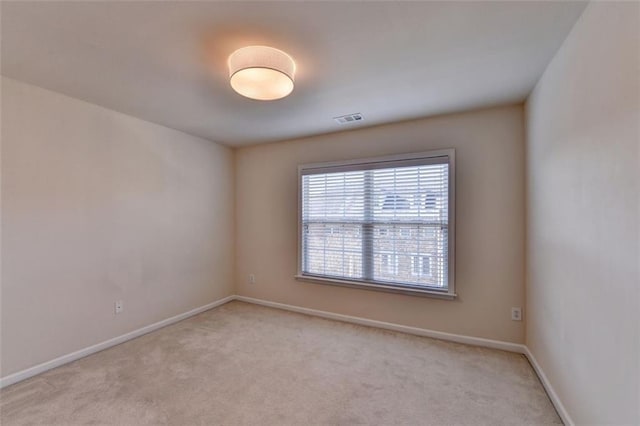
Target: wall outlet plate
{"x": 516, "y": 314}
{"x": 118, "y": 306}
{"x": 252, "y": 279}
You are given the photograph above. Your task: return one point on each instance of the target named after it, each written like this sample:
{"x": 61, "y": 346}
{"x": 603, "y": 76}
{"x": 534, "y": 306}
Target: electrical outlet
{"x": 252, "y": 279}
{"x": 119, "y": 306}
{"x": 516, "y": 314}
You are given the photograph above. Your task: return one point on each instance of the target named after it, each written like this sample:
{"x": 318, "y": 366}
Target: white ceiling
{"x": 166, "y": 61}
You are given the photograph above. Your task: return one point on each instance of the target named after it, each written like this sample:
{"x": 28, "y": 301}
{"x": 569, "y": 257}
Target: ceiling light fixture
{"x": 261, "y": 72}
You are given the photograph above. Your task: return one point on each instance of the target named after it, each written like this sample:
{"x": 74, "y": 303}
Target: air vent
{"x": 349, "y": 118}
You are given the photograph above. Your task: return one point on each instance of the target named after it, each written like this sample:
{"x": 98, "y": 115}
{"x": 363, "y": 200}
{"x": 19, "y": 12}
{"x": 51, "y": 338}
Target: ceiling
{"x": 165, "y": 62}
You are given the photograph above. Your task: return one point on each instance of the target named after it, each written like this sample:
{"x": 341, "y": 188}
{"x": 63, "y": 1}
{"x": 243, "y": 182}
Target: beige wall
{"x": 99, "y": 206}
{"x": 490, "y": 222}
{"x": 583, "y": 289}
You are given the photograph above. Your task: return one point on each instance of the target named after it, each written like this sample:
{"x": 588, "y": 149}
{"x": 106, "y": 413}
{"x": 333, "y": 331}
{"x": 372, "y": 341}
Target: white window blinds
{"x": 381, "y": 221}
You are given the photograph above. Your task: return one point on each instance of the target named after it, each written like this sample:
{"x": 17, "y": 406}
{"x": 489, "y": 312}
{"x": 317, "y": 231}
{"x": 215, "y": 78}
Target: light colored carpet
{"x": 246, "y": 364}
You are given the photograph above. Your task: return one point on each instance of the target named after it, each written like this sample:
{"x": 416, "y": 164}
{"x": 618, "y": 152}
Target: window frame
{"x": 420, "y": 158}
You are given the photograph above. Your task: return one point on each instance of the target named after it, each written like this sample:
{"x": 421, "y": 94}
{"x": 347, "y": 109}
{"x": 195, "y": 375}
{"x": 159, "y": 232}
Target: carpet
{"x": 242, "y": 364}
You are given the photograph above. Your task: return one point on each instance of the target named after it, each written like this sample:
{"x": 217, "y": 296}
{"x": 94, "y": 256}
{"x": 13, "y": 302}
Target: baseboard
{"x": 475, "y": 341}
{"x": 48, "y": 365}
{"x": 553, "y": 396}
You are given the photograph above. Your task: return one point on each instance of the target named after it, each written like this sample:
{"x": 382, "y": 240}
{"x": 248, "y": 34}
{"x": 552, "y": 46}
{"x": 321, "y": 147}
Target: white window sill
{"x": 377, "y": 287}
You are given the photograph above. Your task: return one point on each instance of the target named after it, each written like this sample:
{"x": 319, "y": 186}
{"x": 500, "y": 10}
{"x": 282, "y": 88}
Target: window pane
{"x": 333, "y": 196}
{"x": 418, "y": 193}
{"x": 334, "y": 250}
{"x": 386, "y": 225}
{"x": 410, "y": 254}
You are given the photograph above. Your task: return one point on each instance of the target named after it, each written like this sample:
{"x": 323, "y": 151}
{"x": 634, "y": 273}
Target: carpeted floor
{"x": 246, "y": 364}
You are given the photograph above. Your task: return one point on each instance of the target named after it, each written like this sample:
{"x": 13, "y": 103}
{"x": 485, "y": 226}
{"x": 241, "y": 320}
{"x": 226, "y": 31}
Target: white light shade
{"x": 261, "y": 72}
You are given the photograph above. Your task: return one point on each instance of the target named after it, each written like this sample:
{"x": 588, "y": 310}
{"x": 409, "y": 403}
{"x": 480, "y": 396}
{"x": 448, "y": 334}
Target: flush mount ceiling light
{"x": 261, "y": 72}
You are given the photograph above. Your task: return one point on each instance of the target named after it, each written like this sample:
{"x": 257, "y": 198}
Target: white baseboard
{"x": 475, "y": 341}
{"x": 48, "y": 365}
{"x": 553, "y": 396}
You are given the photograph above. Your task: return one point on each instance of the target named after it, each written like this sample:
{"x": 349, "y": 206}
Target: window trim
{"x": 419, "y": 158}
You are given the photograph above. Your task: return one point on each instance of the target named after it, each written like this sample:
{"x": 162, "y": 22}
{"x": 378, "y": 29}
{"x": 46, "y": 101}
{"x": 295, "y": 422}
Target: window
{"x": 394, "y": 201}
{"x": 391, "y": 222}
{"x": 332, "y": 230}
{"x": 421, "y": 265}
{"x": 389, "y": 263}
{"x": 430, "y": 200}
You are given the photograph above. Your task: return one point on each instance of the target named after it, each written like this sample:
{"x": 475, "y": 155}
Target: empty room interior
{"x": 320, "y": 213}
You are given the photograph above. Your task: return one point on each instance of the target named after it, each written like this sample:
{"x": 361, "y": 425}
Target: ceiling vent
{"x": 349, "y": 118}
